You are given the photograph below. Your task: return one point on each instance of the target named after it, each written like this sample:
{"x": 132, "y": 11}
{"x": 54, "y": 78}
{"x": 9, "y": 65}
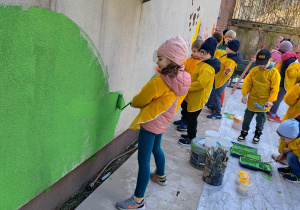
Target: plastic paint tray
{"x": 256, "y": 165}
{"x": 244, "y": 147}
{"x": 237, "y": 153}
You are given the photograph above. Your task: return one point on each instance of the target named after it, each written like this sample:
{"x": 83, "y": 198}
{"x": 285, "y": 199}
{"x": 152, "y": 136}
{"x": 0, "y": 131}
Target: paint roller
{"x": 120, "y": 102}
{"x": 259, "y": 106}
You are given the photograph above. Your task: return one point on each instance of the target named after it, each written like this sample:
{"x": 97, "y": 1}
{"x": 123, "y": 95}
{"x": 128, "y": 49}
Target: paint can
{"x": 243, "y": 186}
{"x": 237, "y": 122}
{"x": 198, "y": 153}
{"x": 211, "y": 138}
{"x": 242, "y": 174}
{"x": 213, "y": 173}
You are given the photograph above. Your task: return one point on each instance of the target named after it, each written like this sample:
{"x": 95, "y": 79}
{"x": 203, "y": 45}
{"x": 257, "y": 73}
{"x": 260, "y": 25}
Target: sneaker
{"x": 179, "y": 122}
{"x": 256, "y": 137}
{"x": 243, "y": 135}
{"x": 291, "y": 178}
{"x": 130, "y": 203}
{"x": 274, "y": 119}
{"x": 284, "y": 171}
{"x": 185, "y": 136}
{"x": 283, "y": 162}
{"x": 160, "y": 181}
{"x": 215, "y": 116}
{"x": 182, "y": 127}
{"x": 185, "y": 142}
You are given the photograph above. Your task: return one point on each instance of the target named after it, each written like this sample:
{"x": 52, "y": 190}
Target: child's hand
{"x": 269, "y": 104}
{"x": 280, "y": 157}
{"x": 227, "y": 70}
{"x": 244, "y": 99}
{"x": 286, "y": 150}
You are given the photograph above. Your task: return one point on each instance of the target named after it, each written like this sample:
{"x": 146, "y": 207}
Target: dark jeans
{"x": 184, "y": 112}
{"x": 215, "y": 98}
{"x": 294, "y": 163}
{"x": 148, "y": 143}
{"x": 192, "y": 123}
{"x": 276, "y": 103}
{"x": 260, "y": 120}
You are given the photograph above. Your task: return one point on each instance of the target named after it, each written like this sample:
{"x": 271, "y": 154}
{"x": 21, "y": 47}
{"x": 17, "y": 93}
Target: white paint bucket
{"x": 243, "y": 185}
{"x": 225, "y": 143}
{"x": 211, "y": 138}
{"x": 237, "y": 122}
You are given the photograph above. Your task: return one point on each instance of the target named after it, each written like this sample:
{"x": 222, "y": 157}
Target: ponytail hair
{"x": 171, "y": 70}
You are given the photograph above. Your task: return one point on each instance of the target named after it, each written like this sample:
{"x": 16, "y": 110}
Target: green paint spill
{"x": 110, "y": 178}
{"x": 48, "y": 190}
{"x": 267, "y": 176}
{"x": 92, "y": 159}
{"x": 279, "y": 192}
{"x": 147, "y": 196}
{"x": 297, "y": 107}
{"x": 55, "y": 101}
{"x": 176, "y": 161}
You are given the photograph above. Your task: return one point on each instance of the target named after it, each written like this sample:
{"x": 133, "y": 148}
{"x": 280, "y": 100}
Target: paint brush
{"x": 125, "y": 106}
{"x": 259, "y": 106}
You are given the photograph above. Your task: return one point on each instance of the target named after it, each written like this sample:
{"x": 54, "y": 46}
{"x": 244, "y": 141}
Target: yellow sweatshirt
{"x": 294, "y": 145}
{"x": 202, "y": 82}
{"x": 221, "y": 78}
{"x": 190, "y": 64}
{"x": 219, "y": 53}
{"x": 292, "y": 74}
{"x": 262, "y": 85}
{"x": 292, "y": 98}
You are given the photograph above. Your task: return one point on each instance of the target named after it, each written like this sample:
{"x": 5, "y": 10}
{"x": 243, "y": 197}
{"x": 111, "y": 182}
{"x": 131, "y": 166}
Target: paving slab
{"x": 184, "y": 181}
{"x": 266, "y": 192}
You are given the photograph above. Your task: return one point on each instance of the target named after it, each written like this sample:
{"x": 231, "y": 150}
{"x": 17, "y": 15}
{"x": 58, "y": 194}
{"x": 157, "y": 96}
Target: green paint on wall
{"x": 55, "y": 108}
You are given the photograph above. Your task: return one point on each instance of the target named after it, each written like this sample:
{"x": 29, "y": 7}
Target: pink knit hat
{"x": 174, "y": 49}
{"x": 285, "y": 46}
{"x": 298, "y": 49}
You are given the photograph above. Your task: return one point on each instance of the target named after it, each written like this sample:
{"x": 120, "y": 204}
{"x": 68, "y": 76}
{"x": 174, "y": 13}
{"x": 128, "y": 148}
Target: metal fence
{"x": 276, "y": 12}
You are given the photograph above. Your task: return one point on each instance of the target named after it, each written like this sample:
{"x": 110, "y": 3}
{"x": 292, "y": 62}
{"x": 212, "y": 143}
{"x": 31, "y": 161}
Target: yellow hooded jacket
{"x": 190, "y": 64}
{"x": 221, "y": 78}
{"x": 156, "y": 97}
{"x": 219, "y": 53}
{"x": 294, "y": 145}
{"x": 292, "y": 74}
{"x": 262, "y": 86}
{"x": 201, "y": 86}
{"x": 292, "y": 98}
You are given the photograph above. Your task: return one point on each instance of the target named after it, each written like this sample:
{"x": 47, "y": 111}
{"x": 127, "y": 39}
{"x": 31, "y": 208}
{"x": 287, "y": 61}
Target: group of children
{"x": 193, "y": 83}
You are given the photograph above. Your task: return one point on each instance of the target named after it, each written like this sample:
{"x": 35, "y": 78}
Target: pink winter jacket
{"x": 276, "y": 55}
{"x": 180, "y": 86}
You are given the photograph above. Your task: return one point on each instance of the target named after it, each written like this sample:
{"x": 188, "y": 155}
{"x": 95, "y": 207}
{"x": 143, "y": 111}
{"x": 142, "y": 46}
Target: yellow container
{"x": 242, "y": 174}
{"x": 243, "y": 186}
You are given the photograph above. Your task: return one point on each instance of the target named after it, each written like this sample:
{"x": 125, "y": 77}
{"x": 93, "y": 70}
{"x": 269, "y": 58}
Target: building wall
{"x": 225, "y": 13}
{"x": 110, "y": 55}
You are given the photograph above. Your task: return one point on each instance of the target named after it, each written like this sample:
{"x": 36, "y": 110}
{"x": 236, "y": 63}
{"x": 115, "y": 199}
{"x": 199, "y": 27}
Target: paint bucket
{"x": 243, "y": 185}
{"x": 213, "y": 173}
{"x": 211, "y": 138}
{"x": 242, "y": 174}
{"x": 198, "y": 153}
{"x": 225, "y": 143}
{"x": 237, "y": 122}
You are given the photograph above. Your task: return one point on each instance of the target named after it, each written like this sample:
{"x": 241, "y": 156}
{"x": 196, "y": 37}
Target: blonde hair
{"x": 230, "y": 34}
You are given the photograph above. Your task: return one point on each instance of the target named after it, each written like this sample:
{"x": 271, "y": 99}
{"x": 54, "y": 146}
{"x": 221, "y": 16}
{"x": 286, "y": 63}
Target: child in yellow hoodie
{"x": 228, "y": 63}
{"x": 262, "y": 85}
{"x": 190, "y": 64}
{"x": 158, "y": 100}
{"x": 289, "y": 132}
{"x": 202, "y": 82}
{"x": 292, "y": 98}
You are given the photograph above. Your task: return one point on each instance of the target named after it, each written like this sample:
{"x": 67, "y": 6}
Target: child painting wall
{"x": 55, "y": 107}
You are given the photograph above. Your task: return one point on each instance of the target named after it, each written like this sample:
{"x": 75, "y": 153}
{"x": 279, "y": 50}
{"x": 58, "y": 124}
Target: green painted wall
{"x": 55, "y": 107}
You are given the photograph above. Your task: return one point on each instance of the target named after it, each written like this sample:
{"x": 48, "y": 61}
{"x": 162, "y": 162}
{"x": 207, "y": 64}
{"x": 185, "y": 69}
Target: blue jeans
{"x": 148, "y": 143}
{"x": 294, "y": 163}
{"x": 215, "y": 98}
{"x": 276, "y": 103}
